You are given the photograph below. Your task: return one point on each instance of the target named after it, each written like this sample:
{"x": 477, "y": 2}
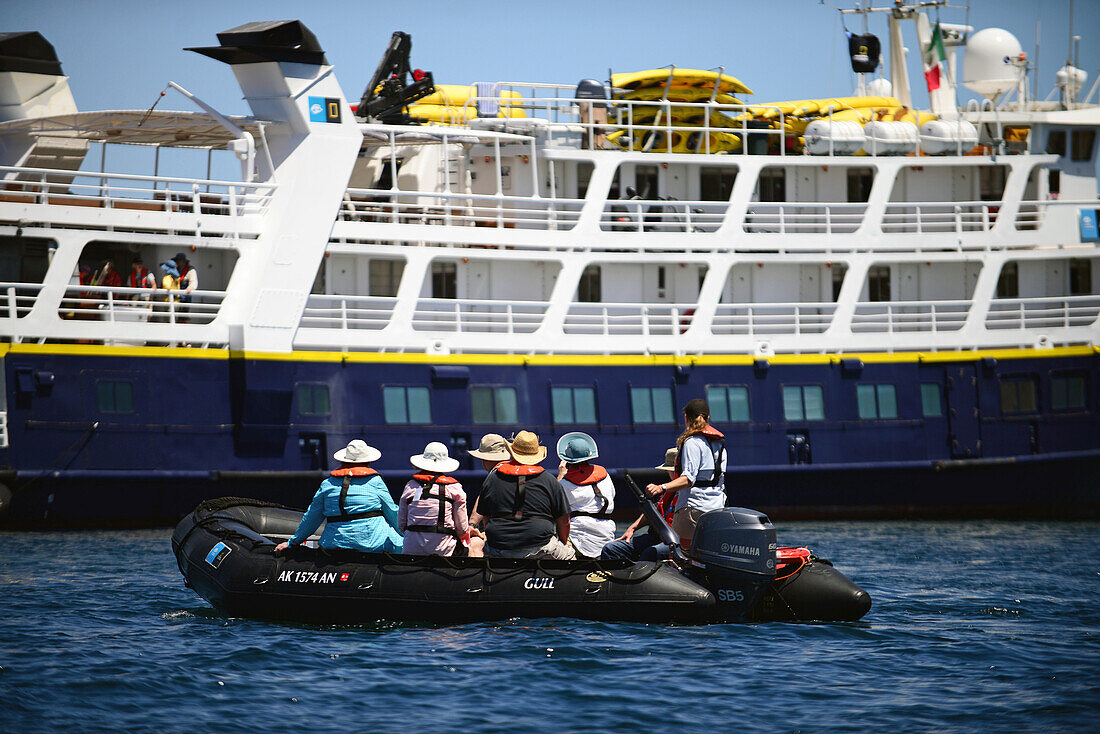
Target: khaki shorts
{"x": 684, "y": 522}
{"x": 557, "y": 550}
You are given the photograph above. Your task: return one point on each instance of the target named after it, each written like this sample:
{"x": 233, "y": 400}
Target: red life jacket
{"x": 589, "y": 476}
{"x": 714, "y": 438}
{"x": 140, "y": 279}
{"x": 667, "y": 506}
{"x": 348, "y": 473}
{"x": 521, "y": 472}
{"x": 515, "y": 469}
{"x": 428, "y": 482}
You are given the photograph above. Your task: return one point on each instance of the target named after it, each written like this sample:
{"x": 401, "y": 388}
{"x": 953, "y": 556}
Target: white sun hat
{"x": 357, "y": 452}
{"x": 434, "y": 459}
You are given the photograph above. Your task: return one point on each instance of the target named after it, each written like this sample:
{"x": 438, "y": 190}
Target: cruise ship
{"x": 892, "y": 312}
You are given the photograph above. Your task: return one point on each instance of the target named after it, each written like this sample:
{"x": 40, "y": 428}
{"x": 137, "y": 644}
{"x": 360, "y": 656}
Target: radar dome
{"x": 988, "y": 67}
{"x": 880, "y": 88}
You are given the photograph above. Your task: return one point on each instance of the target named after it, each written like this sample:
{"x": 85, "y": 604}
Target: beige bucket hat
{"x": 525, "y": 448}
{"x": 357, "y": 452}
{"x": 434, "y": 459}
{"x": 493, "y": 448}
{"x": 670, "y": 460}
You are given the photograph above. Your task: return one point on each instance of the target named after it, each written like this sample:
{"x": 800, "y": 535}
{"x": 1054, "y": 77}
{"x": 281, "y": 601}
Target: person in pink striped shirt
{"x": 432, "y": 510}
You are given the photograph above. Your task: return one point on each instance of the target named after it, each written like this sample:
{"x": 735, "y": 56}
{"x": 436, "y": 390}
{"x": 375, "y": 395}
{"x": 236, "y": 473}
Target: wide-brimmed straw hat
{"x": 525, "y": 448}
{"x": 575, "y": 447}
{"x": 434, "y": 459}
{"x": 493, "y": 448}
{"x": 670, "y": 460}
{"x": 357, "y": 452}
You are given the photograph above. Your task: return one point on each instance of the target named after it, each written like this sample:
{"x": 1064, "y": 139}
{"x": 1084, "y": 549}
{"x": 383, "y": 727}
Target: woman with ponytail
{"x": 699, "y": 483}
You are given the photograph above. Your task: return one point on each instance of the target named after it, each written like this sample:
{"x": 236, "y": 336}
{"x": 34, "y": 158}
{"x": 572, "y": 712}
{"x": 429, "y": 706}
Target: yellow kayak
{"x": 679, "y": 78}
{"x": 456, "y": 95}
{"x": 821, "y": 107}
{"x": 678, "y": 94}
{"x": 653, "y": 141}
{"x": 452, "y": 115}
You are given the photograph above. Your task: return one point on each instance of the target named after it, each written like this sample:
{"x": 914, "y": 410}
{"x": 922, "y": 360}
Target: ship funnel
{"x": 989, "y": 67}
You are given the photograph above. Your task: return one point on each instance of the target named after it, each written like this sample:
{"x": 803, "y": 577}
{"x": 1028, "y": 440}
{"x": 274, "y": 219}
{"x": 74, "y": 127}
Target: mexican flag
{"x": 935, "y": 61}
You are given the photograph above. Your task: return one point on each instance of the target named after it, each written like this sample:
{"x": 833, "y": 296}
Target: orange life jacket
{"x": 427, "y": 483}
{"x": 590, "y": 476}
{"x": 348, "y": 473}
{"x": 713, "y": 437}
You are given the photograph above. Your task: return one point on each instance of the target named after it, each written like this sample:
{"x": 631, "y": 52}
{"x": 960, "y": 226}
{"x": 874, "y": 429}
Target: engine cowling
{"x": 733, "y": 555}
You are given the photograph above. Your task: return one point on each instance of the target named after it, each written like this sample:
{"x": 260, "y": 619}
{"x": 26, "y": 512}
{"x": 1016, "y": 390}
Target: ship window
{"x": 493, "y": 404}
{"x": 773, "y": 184}
{"x": 991, "y": 182}
{"x": 407, "y": 404}
{"x": 878, "y": 283}
{"x": 1067, "y": 392}
{"x": 728, "y": 404}
{"x": 931, "y": 400}
{"x": 444, "y": 280}
{"x": 588, "y": 290}
{"x": 877, "y": 401}
{"x": 803, "y": 402}
{"x": 1082, "y": 142}
{"x": 1080, "y": 277}
{"x": 114, "y": 396}
{"x": 385, "y": 276}
{"x": 859, "y": 184}
{"x": 573, "y": 405}
{"x": 1008, "y": 284}
{"x": 645, "y": 181}
{"x": 716, "y": 184}
{"x": 652, "y": 405}
{"x": 584, "y": 176}
{"x": 1018, "y": 395}
{"x": 1056, "y": 142}
{"x": 24, "y": 259}
{"x": 313, "y": 399}
{"x": 839, "y": 271}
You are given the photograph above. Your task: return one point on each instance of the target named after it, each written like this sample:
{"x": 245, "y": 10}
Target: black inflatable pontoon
{"x": 225, "y": 551}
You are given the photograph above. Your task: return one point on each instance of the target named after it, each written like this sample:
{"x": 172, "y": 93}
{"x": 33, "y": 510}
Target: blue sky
{"x": 121, "y": 53}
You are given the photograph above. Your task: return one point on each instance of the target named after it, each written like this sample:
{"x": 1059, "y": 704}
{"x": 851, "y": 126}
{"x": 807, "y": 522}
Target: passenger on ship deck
{"x": 590, "y": 492}
{"x": 699, "y": 486}
{"x": 140, "y": 277}
{"x": 524, "y": 505}
{"x": 355, "y": 505}
{"x": 432, "y": 509}
{"x": 492, "y": 450}
{"x": 188, "y": 283}
{"x": 107, "y": 276}
{"x": 632, "y": 546}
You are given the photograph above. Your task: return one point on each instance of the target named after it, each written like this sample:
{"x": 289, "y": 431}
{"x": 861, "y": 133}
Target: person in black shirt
{"x": 525, "y": 507}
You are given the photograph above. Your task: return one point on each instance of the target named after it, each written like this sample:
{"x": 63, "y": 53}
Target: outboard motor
{"x": 733, "y": 555}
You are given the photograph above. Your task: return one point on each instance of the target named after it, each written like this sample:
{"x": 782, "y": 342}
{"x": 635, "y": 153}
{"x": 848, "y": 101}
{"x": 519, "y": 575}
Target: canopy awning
{"x": 136, "y": 127}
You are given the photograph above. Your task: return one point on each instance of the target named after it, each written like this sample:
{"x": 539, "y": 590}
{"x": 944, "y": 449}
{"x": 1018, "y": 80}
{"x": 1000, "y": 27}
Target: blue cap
{"x": 573, "y": 448}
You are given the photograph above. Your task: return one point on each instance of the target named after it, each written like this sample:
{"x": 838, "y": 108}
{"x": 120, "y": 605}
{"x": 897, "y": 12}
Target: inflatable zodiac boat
{"x": 225, "y": 552}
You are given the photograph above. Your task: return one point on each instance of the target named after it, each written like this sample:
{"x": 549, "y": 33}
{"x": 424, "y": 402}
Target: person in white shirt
{"x": 590, "y": 492}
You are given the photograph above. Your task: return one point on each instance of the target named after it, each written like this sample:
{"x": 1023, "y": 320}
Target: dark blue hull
{"x": 193, "y": 426}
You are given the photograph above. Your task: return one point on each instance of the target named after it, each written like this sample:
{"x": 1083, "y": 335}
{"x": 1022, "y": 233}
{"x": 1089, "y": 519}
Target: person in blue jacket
{"x": 358, "y": 511}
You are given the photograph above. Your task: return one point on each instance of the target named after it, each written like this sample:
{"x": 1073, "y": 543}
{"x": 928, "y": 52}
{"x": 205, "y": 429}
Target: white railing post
{"x": 110, "y": 306}
{"x": 511, "y": 318}
{"x": 958, "y": 218}
{"x": 12, "y": 303}
{"x": 797, "y": 320}
{"x": 344, "y": 314}
{"x": 645, "y": 320}
{"x": 171, "y": 308}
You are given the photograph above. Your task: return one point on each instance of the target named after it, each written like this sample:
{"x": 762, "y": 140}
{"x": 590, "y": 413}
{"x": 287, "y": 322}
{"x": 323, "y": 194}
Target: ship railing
{"x": 348, "y": 312}
{"x": 460, "y": 210}
{"x": 478, "y": 315}
{"x": 18, "y": 299}
{"x": 3, "y": 429}
{"x": 931, "y": 217}
{"x": 139, "y": 305}
{"x": 662, "y": 215}
{"x": 1043, "y": 313}
{"x": 893, "y": 317}
{"x": 798, "y": 218}
{"x": 772, "y": 318}
{"x": 133, "y": 192}
{"x": 616, "y": 319}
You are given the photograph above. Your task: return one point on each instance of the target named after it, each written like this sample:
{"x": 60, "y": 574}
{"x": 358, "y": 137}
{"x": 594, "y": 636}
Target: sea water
{"x": 976, "y": 626}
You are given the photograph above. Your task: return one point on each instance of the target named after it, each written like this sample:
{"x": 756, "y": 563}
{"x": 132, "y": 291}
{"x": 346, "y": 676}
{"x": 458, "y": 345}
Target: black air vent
{"x": 269, "y": 40}
{"x": 29, "y": 52}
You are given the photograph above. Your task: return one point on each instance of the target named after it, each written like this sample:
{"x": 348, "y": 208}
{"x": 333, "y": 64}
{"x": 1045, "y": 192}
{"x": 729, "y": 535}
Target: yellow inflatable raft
{"x": 679, "y": 78}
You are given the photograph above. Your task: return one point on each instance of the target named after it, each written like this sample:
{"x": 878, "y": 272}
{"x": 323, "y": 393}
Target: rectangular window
{"x": 1080, "y": 276}
{"x": 588, "y": 290}
{"x": 1056, "y": 142}
{"x": 728, "y": 404}
{"x": 803, "y": 402}
{"x": 584, "y": 176}
{"x": 313, "y": 399}
{"x": 716, "y": 184}
{"x": 878, "y": 283}
{"x": 114, "y": 396}
{"x": 1081, "y": 145}
{"x": 493, "y": 404}
{"x": 773, "y": 184}
{"x": 877, "y": 401}
{"x": 444, "y": 280}
{"x": 645, "y": 181}
{"x": 652, "y": 405}
{"x": 991, "y": 182}
{"x": 407, "y": 404}
{"x": 839, "y": 270}
{"x": 384, "y": 277}
{"x": 573, "y": 405}
{"x": 859, "y": 184}
{"x": 1008, "y": 284}
{"x": 1067, "y": 392}
{"x": 1018, "y": 395}
{"x": 931, "y": 400}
